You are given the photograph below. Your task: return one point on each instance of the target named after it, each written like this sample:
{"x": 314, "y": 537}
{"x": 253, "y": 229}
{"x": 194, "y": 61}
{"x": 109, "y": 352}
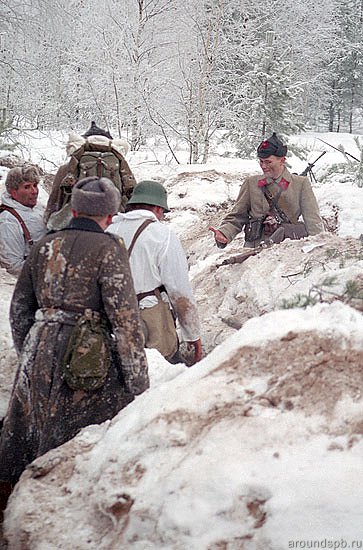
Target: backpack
{"x": 91, "y": 159}
{"x": 94, "y": 159}
{"x": 102, "y": 164}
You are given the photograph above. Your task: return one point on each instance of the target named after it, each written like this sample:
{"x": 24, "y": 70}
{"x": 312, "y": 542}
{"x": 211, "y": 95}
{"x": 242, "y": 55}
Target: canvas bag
{"x": 159, "y": 328}
{"x": 87, "y": 358}
{"x": 157, "y": 322}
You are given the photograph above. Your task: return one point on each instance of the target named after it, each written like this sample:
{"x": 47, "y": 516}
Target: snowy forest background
{"x": 182, "y": 69}
{"x": 280, "y": 386}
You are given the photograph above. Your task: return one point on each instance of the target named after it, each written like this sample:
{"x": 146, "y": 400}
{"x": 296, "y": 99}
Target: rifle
{"x": 240, "y": 258}
{"x": 310, "y": 166}
{"x": 340, "y": 151}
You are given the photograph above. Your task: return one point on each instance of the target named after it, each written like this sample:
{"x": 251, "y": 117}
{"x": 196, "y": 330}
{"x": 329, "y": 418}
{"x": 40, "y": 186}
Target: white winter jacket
{"x": 13, "y": 248}
{"x": 159, "y": 259}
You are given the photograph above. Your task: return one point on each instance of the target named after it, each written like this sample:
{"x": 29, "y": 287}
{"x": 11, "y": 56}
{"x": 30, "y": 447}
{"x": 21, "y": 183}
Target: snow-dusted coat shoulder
{"x": 299, "y": 198}
{"x": 67, "y": 272}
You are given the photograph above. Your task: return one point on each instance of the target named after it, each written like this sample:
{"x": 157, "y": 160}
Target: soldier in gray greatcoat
{"x": 79, "y": 269}
{"x": 292, "y": 193}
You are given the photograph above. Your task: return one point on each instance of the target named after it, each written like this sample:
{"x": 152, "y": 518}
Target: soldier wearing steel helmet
{"x": 160, "y": 272}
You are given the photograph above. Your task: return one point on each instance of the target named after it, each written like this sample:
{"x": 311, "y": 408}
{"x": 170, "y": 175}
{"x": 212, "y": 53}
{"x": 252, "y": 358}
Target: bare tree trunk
{"x": 195, "y": 151}
{"x": 332, "y": 110}
{"x": 205, "y": 149}
{"x": 135, "y": 131}
{"x": 331, "y": 117}
{"x": 78, "y": 87}
{"x": 351, "y": 110}
{"x": 263, "y": 129}
{"x": 117, "y": 105}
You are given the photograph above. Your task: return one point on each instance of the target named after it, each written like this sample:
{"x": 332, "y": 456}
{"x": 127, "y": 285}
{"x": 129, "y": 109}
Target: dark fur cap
{"x": 271, "y": 146}
{"x": 96, "y": 131}
{"x": 95, "y": 196}
{"x": 19, "y": 175}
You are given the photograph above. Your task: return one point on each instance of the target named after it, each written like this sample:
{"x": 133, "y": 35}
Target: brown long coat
{"x": 77, "y": 268}
{"x": 57, "y": 195}
{"x": 297, "y": 200}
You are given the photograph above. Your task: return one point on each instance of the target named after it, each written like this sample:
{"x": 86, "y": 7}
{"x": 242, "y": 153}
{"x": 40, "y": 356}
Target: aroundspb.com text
{"x": 325, "y": 543}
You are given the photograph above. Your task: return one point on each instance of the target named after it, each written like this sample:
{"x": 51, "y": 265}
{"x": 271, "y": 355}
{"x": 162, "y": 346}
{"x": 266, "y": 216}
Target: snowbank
{"x": 259, "y": 445}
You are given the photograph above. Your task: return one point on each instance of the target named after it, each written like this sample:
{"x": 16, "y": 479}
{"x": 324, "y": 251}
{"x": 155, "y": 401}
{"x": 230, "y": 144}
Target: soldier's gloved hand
{"x": 197, "y": 345}
{"x": 221, "y": 240}
{"x": 270, "y": 225}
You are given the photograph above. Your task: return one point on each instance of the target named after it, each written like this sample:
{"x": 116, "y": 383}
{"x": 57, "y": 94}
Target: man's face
{"x": 272, "y": 166}
{"x": 26, "y": 194}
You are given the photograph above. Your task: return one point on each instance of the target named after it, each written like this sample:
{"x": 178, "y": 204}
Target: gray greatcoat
{"x": 297, "y": 200}
{"x": 66, "y": 272}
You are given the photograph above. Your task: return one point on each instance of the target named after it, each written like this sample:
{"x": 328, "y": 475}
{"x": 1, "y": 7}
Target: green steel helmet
{"x": 150, "y": 192}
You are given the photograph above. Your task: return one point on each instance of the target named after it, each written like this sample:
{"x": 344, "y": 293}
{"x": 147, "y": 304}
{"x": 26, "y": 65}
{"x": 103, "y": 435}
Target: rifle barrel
{"x": 311, "y": 165}
{"x": 319, "y": 157}
{"x": 336, "y": 148}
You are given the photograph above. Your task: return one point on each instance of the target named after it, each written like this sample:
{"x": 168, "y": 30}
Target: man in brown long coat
{"x": 292, "y": 193}
{"x": 95, "y": 139}
{"x": 67, "y": 272}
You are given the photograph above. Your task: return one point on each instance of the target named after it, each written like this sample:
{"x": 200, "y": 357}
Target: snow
{"x": 258, "y": 446}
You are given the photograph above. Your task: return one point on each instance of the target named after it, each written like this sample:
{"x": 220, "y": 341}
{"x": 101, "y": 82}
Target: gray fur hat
{"x": 95, "y": 196}
{"x": 19, "y": 175}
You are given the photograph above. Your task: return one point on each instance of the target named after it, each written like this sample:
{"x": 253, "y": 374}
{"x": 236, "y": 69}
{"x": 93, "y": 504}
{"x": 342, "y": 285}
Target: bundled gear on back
{"x": 95, "y": 153}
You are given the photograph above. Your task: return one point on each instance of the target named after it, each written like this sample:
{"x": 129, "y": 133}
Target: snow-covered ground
{"x": 259, "y": 446}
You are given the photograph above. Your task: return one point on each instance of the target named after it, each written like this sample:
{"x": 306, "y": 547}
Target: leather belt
{"x": 155, "y": 292}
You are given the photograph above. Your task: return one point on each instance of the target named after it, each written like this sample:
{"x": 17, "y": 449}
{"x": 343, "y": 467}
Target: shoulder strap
{"x": 12, "y": 211}
{"x": 139, "y": 230}
{"x": 272, "y": 201}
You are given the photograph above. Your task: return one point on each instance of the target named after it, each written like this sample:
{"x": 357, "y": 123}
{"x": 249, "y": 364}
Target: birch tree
{"x": 267, "y": 67}
{"x": 193, "y": 116}
{"x": 346, "y": 76}
{"x": 182, "y": 68}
